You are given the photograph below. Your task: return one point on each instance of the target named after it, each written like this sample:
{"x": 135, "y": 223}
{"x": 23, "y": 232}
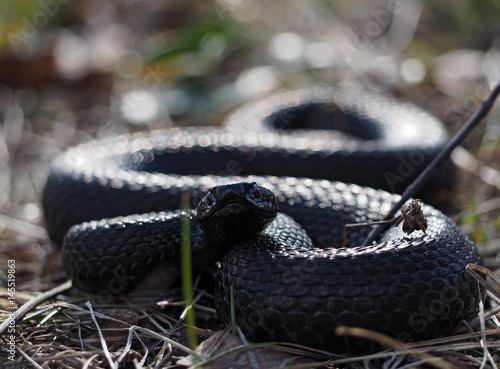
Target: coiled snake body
{"x": 285, "y": 286}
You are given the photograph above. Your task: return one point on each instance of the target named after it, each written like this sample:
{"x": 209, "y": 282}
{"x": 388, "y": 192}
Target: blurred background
{"x": 74, "y": 70}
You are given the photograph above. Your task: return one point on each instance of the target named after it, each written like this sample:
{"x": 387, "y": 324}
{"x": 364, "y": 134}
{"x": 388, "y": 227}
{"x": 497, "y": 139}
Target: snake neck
{"x": 214, "y": 239}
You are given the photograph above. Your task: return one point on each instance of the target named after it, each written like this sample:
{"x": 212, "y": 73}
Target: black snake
{"x": 302, "y": 145}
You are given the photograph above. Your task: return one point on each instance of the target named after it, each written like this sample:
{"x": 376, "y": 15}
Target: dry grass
{"x": 71, "y": 331}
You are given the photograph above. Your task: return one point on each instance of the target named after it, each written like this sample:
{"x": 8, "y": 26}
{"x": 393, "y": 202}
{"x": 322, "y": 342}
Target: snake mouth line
{"x": 234, "y": 207}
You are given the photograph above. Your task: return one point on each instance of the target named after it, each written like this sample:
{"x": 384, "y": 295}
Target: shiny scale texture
{"x": 286, "y": 287}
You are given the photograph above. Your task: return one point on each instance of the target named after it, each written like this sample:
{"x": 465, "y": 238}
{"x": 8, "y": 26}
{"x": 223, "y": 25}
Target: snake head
{"x": 236, "y": 211}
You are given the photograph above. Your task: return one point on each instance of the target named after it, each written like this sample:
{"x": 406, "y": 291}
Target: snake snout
{"x": 237, "y": 210}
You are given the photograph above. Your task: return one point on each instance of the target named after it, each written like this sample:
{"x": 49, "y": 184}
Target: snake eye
{"x": 255, "y": 191}
{"x": 209, "y": 199}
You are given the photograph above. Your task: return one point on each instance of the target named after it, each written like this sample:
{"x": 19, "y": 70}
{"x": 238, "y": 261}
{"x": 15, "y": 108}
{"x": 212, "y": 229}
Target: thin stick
{"x": 443, "y": 154}
{"x": 368, "y": 224}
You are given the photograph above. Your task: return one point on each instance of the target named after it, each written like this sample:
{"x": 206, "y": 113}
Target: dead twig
{"x": 491, "y": 284}
{"x": 457, "y": 140}
{"x": 382, "y": 339}
{"x": 412, "y": 217}
{"x": 367, "y": 224}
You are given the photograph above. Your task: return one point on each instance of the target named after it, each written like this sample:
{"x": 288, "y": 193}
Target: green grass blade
{"x": 187, "y": 275}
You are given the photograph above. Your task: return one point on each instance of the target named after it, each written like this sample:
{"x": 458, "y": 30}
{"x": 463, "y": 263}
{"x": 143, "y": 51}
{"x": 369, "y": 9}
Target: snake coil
{"x": 302, "y": 145}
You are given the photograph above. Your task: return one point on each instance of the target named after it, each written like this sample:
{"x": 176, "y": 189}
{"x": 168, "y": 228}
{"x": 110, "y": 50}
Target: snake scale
{"x": 117, "y": 198}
